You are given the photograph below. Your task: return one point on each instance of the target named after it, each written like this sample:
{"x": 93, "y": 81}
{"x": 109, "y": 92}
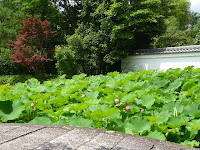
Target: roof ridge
{"x": 168, "y": 50}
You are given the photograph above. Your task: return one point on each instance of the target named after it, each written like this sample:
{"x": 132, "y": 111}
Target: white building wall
{"x": 161, "y": 61}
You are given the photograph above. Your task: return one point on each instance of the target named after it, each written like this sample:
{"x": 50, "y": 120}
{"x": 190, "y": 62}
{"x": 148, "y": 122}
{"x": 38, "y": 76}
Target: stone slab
{"x": 105, "y": 140}
{"x": 133, "y": 143}
{"x": 34, "y": 139}
{"x": 14, "y": 133}
{"x": 57, "y": 137}
{"x": 169, "y": 146}
{"x": 166, "y": 145}
{"x": 71, "y": 140}
{"x": 4, "y": 128}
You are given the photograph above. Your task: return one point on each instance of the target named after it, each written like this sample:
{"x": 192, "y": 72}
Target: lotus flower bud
{"x": 128, "y": 108}
{"x": 83, "y": 96}
{"x": 167, "y": 134}
{"x": 136, "y": 79}
{"x": 142, "y": 110}
{"x": 155, "y": 130}
{"x": 181, "y": 92}
{"x": 32, "y": 105}
{"x": 117, "y": 100}
{"x": 27, "y": 118}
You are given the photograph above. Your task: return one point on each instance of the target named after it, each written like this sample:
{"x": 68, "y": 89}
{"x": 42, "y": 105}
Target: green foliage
{"x": 173, "y": 35}
{"x": 181, "y": 11}
{"x": 40, "y": 120}
{"x": 193, "y": 143}
{"x": 179, "y": 26}
{"x": 90, "y": 48}
{"x": 157, "y": 135}
{"x": 13, "y": 79}
{"x": 62, "y": 16}
{"x": 196, "y": 32}
{"x": 168, "y": 111}
{"x": 139, "y": 125}
{"x": 110, "y": 30}
{"x": 10, "y": 110}
{"x": 6, "y": 66}
{"x": 66, "y": 61}
{"x": 101, "y": 33}
{"x": 9, "y": 24}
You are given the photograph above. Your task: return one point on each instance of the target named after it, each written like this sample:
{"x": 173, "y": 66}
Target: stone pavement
{"x": 54, "y": 137}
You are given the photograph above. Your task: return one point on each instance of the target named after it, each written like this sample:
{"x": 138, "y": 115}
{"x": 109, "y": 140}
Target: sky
{"x": 195, "y": 5}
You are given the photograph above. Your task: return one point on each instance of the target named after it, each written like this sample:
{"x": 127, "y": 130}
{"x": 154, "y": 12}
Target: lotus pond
{"x": 160, "y": 105}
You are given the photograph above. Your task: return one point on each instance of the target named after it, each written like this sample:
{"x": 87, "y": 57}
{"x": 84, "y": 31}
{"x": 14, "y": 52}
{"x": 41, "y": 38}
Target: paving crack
{"x": 118, "y": 142}
{"x": 87, "y": 141}
{"x": 152, "y": 147}
{"x": 22, "y": 135}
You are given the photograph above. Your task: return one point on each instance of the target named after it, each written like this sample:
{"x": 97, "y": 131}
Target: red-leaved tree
{"x": 33, "y": 44}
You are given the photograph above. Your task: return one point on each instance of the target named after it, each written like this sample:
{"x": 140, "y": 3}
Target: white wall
{"x": 161, "y": 61}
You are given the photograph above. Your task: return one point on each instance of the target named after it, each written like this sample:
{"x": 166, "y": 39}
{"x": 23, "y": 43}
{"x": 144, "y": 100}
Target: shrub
{"x": 6, "y": 66}
{"x": 14, "y": 79}
{"x": 66, "y": 61}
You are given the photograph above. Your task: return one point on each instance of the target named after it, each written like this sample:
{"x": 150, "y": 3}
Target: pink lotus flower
{"x": 32, "y": 105}
{"x": 117, "y": 100}
{"x": 142, "y": 110}
{"x": 83, "y": 96}
{"x": 128, "y": 108}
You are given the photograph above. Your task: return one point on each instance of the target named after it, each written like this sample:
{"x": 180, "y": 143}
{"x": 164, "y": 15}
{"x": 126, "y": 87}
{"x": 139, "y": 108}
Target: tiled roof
{"x": 168, "y": 50}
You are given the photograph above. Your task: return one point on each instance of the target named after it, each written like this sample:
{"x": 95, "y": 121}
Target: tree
{"x": 179, "y": 26}
{"x": 181, "y": 11}
{"x": 196, "y": 33}
{"x": 9, "y": 22}
{"x": 66, "y": 61}
{"x": 33, "y": 45}
{"x": 62, "y": 16}
{"x": 111, "y": 29}
{"x": 173, "y": 35}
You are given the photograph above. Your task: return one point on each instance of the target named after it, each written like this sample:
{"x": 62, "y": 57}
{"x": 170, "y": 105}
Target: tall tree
{"x": 62, "y": 15}
{"x": 181, "y": 11}
{"x": 34, "y": 44}
{"x": 179, "y": 26}
{"x": 173, "y": 36}
{"x": 111, "y": 29}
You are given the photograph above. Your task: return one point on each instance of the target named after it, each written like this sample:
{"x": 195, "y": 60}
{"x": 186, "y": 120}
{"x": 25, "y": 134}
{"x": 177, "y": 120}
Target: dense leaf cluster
{"x": 96, "y": 35}
{"x": 161, "y": 105}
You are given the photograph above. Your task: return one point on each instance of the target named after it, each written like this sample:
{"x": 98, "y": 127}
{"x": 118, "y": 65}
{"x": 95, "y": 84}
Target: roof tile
{"x": 169, "y": 50}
